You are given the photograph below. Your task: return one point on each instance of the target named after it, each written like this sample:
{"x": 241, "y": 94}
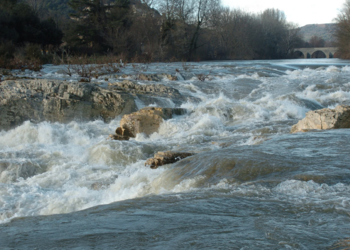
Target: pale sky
{"x": 301, "y": 12}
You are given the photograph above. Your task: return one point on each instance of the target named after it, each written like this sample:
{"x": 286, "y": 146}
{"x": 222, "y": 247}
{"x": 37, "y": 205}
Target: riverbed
{"x": 250, "y": 185}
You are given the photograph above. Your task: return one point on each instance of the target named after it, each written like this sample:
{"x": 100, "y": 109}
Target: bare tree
{"x": 343, "y": 31}
{"x": 37, "y": 5}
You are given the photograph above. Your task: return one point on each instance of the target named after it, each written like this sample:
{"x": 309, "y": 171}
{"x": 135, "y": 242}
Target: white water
{"x": 60, "y": 168}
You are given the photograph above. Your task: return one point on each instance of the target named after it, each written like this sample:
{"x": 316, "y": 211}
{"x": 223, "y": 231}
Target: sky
{"x": 300, "y": 12}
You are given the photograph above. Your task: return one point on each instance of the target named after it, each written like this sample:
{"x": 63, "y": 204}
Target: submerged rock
{"x": 324, "y": 119}
{"x": 146, "y": 120}
{"x": 168, "y": 157}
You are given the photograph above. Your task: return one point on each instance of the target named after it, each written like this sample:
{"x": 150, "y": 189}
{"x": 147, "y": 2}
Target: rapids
{"x": 251, "y": 184}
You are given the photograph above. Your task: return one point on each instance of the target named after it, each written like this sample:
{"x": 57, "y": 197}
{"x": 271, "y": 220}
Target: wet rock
{"x": 59, "y": 101}
{"x": 146, "y": 120}
{"x": 154, "y": 89}
{"x": 151, "y": 93}
{"x": 168, "y": 157}
{"x": 324, "y": 119}
{"x": 119, "y": 137}
{"x": 171, "y": 77}
{"x": 156, "y": 77}
{"x": 151, "y": 77}
{"x": 144, "y": 77}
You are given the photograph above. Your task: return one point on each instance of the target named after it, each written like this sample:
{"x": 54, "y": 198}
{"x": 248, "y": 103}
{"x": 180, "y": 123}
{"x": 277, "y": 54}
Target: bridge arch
{"x": 319, "y": 54}
{"x": 298, "y": 54}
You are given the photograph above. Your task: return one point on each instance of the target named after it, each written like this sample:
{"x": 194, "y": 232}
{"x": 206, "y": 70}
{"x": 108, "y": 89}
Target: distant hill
{"x": 325, "y": 31}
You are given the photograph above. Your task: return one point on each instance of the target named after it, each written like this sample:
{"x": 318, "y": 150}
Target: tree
{"x": 343, "y": 31}
{"x": 36, "y": 5}
{"x": 20, "y": 24}
{"x": 316, "y": 42}
{"x": 7, "y": 27}
{"x": 202, "y": 14}
{"x": 96, "y": 20}
{"x": 7, "y": 4}
{"x": 184, "y": 21}
{"x": 273, "y": 27}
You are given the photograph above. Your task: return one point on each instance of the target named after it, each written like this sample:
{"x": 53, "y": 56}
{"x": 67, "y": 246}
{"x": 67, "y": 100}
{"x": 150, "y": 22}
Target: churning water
{"x": 251, "y": 184}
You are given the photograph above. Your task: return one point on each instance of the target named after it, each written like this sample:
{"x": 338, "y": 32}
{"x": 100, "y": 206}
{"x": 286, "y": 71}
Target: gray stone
{"x": 59, "y": 101}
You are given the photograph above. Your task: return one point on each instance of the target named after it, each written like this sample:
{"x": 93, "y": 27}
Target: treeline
{"x": 179, "y": 30}
{"x": 343, "y": 31}
{"x": 24, "y": 35}
{"x": 148, "y": 30}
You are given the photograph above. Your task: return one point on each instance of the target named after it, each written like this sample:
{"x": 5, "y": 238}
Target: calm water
{"x": 251, "y": 185}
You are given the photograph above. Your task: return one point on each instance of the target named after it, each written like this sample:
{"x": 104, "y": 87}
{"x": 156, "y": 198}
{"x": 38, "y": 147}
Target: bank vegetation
{"x": 140, "y": 31}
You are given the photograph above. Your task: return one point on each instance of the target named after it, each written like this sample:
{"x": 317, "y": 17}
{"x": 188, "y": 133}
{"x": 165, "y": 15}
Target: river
{"x": 250, "y": 185}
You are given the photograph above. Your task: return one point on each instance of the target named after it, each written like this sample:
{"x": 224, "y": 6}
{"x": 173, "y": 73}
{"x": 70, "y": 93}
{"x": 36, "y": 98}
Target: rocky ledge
{"x": 324, "y": 119}
{"x": 60, "y": 101}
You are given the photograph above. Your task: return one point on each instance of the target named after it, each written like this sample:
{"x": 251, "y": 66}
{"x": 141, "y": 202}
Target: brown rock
{"x": 168, "y": 157}
{"x": 171, "y": 77}
{"x": 119, "y": 137}
{"x": 324, "y": 119}
{"x": 146, "y": 120}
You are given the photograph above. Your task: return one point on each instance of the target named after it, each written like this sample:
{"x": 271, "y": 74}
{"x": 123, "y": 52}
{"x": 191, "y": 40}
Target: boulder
{"x": 59, "y": 101}
{"x": 168, "y": 157}
{"x": 324, "y": 119}
{"x": 146, "y": 120}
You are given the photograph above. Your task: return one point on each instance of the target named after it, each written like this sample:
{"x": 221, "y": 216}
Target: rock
{"x": 119, "y": 137}
{"x": 156, "y": 77}
{"x": 146, "y": 120}
{"x": 59, "y": 101}
{"x": 162, "y": 158}
{"x": 152, "y": 93}
{"x": 324, "y": 119}
{"x": 143, "y": 92}
{"x": 171, "y": 77}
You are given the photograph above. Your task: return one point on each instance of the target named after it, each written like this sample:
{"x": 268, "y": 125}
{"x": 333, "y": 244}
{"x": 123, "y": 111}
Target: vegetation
{"x": 185, "y": 30}
{"x": 343, "y": 31}
{"x": 24, "y": 37}
{"x": 140, "y": 30}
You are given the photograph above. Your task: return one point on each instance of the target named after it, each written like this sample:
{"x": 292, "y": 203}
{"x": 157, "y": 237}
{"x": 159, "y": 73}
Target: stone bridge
{"x": 325, "y": 52}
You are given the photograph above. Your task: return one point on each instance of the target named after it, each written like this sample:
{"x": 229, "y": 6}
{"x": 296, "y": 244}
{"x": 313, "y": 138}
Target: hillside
{"x": 324, "y": 31}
